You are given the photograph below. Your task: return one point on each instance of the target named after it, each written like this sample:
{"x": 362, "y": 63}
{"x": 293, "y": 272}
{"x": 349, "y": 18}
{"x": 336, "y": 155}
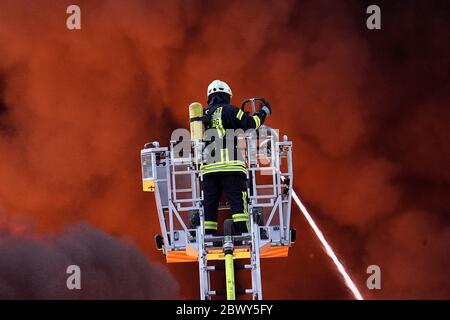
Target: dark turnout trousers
{"x": 234, "y": 185}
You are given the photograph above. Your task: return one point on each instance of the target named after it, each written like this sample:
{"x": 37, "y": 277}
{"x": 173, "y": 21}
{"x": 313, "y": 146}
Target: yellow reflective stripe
{"x": 218, "y": 124}
{"x": 224, "y": 170}
{"x": 240, "y": 215}
{"x": 240, "y": 114}
{"x": 224, "y": 156}
{"x": 212, "y": 225}
{"x": 221, "y": 164}
{"x": 222, "y": 128}
{"x": 228, "y": 168}
{"x": 224, "y": 166}
{"x": 257, "y": 121}
{"x": 244, "y": 201}
{"x": 224, "y": 162}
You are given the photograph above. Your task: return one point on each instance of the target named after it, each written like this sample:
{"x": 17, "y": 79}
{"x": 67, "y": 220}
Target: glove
{"x": 265, "y": 107}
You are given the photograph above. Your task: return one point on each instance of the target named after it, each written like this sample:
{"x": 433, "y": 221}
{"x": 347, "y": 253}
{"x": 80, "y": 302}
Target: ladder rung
{"x": 243, "y": 267}
{"x": 245, "y": 291}
{"x": 217, "y": 293}
{"x": 236, "y": 267}
{"x": 179, "y": 173}
{"x": 183, "y": 190}
{"x": 265, "y": 186}
{"x": 177, "y": 201}
{"x": 247, "y": 266}
{"x": 214, "y": 268}
{"x": 223, "y": 292}
{"x": 270, "y": 196}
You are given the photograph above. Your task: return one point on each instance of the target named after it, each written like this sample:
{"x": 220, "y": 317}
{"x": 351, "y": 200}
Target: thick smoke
{"x": 110, "y": 268}
{"x": 367, "y": 110}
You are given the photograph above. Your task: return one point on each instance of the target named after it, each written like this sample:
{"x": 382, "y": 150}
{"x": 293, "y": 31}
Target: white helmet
{"x": 219, "y": 86}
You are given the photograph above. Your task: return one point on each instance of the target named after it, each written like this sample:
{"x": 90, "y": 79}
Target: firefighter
{"x": 223, "y": 168}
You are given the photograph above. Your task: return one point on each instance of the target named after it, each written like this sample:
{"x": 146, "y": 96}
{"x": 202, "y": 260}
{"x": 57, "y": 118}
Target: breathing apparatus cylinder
{"x": 196, "y": 119}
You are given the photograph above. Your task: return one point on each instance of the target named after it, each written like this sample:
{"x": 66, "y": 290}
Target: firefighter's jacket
{"x": 221, "y": 122}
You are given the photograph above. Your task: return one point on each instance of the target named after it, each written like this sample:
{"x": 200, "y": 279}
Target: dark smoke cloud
{"x": 367, "y": 110}
{"x": 110, "y": 268}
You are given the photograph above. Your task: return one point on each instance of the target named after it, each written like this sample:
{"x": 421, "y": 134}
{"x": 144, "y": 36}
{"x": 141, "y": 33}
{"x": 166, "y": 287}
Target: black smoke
{"x": 111, "y": 268}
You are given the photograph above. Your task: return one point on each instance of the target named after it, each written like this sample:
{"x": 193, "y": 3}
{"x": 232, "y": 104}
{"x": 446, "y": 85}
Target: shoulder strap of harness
{"x": 207, "y": 114}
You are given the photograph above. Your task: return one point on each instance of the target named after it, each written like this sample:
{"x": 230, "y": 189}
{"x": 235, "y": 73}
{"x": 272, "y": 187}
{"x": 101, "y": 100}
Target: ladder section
{"x": 230, "y": 248}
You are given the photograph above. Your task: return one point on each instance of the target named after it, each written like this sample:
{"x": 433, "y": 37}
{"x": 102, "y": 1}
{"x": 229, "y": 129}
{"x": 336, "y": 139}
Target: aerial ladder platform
{"x": 174, "y": 178}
